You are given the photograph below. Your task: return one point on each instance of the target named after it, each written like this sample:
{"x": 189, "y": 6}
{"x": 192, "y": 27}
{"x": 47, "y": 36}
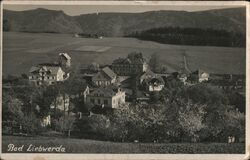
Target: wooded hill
{"x": 120, "y": 24}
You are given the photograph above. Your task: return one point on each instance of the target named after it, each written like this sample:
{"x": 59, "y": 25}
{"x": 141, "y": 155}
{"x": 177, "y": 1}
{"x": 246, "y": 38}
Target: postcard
{"x": 124, "y": 80}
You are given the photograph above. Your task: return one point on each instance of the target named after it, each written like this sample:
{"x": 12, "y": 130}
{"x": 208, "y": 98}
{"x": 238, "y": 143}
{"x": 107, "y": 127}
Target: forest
{"x": 192, "y": 36}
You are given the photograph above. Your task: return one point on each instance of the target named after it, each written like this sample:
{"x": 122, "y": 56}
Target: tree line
{"x": 192, "y": 36}
{"x": 199, "y": 113}
{"x": 178, "y": 113}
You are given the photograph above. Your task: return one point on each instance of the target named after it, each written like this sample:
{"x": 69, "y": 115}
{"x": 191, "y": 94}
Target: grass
{"x": 22, "y": 50}
{"x": 92, "y": 146}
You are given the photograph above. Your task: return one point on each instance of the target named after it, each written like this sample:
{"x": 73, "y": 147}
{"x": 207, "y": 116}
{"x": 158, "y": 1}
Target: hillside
{"x": 120, "y": 24}
{"x": 41, "y": 20}
{"x": 22, "y": 50}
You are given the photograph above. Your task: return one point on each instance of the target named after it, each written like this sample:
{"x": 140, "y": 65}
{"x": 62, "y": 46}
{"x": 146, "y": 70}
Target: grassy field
{"x": 93, "y": 146}
{"x": 22, "y": 50}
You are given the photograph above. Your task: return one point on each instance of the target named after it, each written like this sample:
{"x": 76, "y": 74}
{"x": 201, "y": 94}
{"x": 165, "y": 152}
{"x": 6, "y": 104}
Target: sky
{"x": 73, "y": 10}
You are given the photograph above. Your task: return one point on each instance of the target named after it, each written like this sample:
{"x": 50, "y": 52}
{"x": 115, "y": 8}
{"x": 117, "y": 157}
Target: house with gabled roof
{"x": 46, "y": 74}
{"x": 104, "y": 77}
{"x": 109, "y": 96}
{"x": 133, "y": 64}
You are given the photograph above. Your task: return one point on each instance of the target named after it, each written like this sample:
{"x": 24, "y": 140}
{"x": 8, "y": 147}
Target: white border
{"x": 24, "y": 156}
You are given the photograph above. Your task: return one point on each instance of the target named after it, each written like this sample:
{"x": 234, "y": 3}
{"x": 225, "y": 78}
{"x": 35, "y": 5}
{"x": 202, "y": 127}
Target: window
{"x": 92, "y": 100}
{"x": 99, "y": 101}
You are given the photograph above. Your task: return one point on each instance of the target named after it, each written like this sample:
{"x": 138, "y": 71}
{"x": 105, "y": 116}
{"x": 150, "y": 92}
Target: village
{"x": 126, "y": 80}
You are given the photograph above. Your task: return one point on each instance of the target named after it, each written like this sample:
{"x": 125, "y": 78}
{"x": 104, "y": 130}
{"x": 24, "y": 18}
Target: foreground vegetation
{"x": 179, "y": 113}
{"x": 93, "y": 146}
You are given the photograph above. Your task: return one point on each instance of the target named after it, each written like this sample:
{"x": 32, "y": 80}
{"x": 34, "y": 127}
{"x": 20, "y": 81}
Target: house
{"x": 154, "y": 84}
{"x": 106, "y": 97}
{"x": 46, "y": 74}
{"x": 64, "y": 60}
{"x": 133, "y": 64}
{"x": 104, "y": 77}
{"x": 147, "y": 75}
{"x": 61, "y": 103}
{"x": 199, "y": 76}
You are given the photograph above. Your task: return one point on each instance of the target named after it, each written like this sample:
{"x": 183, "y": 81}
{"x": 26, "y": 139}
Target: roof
{"x": 136, "y": 58}
{"x": 133, "y": 58}
{"x": 105, "y": 74}
{"x": 65, "y": 55}
{"x": 109, "y": 72}
{"x": 122, "y": 61}
{"x": 33, "y": 69}
{"x": 148, "y": 73}
{"x": 49, "y": 69}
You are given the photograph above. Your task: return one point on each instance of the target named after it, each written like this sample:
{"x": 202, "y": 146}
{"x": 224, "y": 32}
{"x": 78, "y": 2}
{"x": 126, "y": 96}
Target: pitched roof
{"x": 109, "y": 72}
{"x": 65, "y": 55}
{"x": 105, "y": 74}
{"x": 148, "y": 73}
{"x": 122, "y": 61}
{"x": 53, "y": 70}
{"x": 33, "y": 69}
{"x": 133, "y": 58}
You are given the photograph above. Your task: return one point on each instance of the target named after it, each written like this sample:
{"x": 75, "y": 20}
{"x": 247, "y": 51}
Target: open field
{"x": 93, "y": 146}
{"x": 22, "y": 50}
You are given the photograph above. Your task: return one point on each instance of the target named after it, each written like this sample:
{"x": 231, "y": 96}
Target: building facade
{"x": 46, "y": 74}
{"x": 106, "y": 97}
{"x": 104, "y": 77}
{"x": 133, "y": 64}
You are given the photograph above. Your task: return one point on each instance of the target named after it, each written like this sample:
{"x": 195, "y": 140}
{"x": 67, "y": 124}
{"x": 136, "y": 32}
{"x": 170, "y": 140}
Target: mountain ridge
{"x": 120, "y": 24}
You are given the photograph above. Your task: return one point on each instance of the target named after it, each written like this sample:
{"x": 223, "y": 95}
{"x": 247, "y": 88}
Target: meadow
{"x": 22, "y": 50}
{"x": 93, "y": 146}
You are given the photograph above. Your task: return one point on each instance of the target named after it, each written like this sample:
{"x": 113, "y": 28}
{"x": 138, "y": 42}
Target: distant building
{"x": 154, "y": 84}
{"x": 104, "y": 77}
{"x": 133, "y": 64}
{"x": 61, "y": 103}
{"x": 147, "y": 75}
{"x": 199, "y": 76}
{"x": 106, "y": 97}
{"x": 64, "y": 60}
{"x": 46, "y": 74}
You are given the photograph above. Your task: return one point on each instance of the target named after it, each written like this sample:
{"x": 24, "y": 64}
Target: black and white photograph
{"x": 124, "y": 79}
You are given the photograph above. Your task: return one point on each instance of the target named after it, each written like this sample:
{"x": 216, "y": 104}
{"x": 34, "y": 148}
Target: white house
{"x": 46, "y": 74}
{"x": 107, "y": 97}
